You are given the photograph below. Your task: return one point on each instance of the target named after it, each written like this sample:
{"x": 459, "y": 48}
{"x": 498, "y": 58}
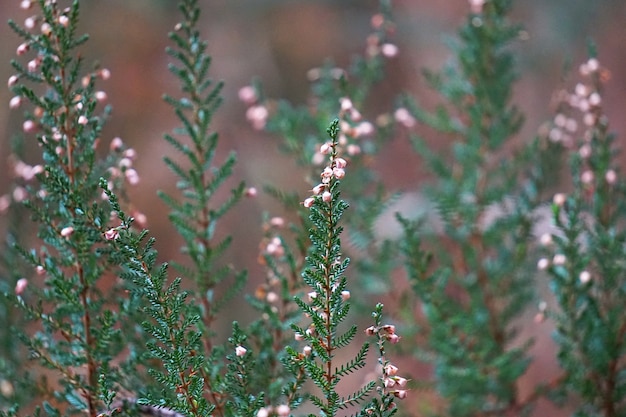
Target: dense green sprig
{"x": 328, "y": 304}
{"x": 586, "y": 270}
{"x": 77, "y": 333}
{"x": 485, "y": 200}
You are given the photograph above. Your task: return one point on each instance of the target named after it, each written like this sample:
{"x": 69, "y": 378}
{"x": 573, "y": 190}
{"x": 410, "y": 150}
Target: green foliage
{"x": 73, "y": 328}
{"x": 193, "y": 215}
{"x": 486, "y": 198}
{"x": 347, "y": 92}
{"x": 328, "y": 304}
{"x": 104, "y": 332}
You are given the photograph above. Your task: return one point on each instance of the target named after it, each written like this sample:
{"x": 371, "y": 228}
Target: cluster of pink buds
{"x": 257, "y": 112}
{"x": 376, "y": 43}
{"x": 386, "y": 331}
{"x": 124, "y": 169}
{"x": 394, "y": 383}
{"x": 271, "y": 246}
{"x": 336, "y": 169}
{"x": 586, "y": 100}
{"x": 282, "y": 410}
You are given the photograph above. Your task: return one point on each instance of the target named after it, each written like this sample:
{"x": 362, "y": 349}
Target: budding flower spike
{"x": 333, "y": 170}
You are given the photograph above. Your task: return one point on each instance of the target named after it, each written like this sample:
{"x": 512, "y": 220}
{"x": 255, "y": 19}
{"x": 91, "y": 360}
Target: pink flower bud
{"x": 393, "y": 338}
{"x": 543, "y": 264}
{"x": 319, "y": 188}
{"x": 277, "y": 222}
{"x": 584, "y": 277}
{"x": 263, "y": 412}
{"x": 21, "y": 285}
{"x": 64, "y": 20}
{"x": 325, "y": 148}
{"x": 327, "y": 197}
{"x": 346, "y": 103}
{"x": 389, "y": 328}
{"x": 29, "y": 126}
{"x": 32, "y": 65}
{"x": 401, "y": 394}
{"x": 377, "y": 21}
{"x": 610, "y": 176}
{"x": 283, "y": 410}
{"x": 101, "y": 96}
{"x": 13, "y": 79}
{"x": 339, "y": 173}
{"x": 130, "y": 153}
{"x": 306, "y": 351}
{"x": 82, "y": 120}
{"x": 390, "y": 369}
{"x": 248, "y": 94}
{"x": 29, "y": 22}
{"x": 345, "y": 295}
{"x": 15, "y": 102}
{"x": 559, "y": 259}
{"x": 271, "y": 297}
{"x": 308, "y": 203}
{"x": 67, "y": 231}
{"x": 371, "y": 331}
{"x": 593, "y": 65}
{"x": 251, "y": 192}
{"x": 340, "y": 163}
{"x": 389, "y": 50}
{"x": 26, "y": 4}
{"x": 40, "y": 270}
{"x": 364, "y": 129}
{"x": 132, "y": 176}
{"x": 22, "y": 48}
{"x": 401, "y": 381}
{"x": 19, "y": 194}
{"x": 105, "y": 74}
{"x": 116, "y": 144}
{"x": 46, "y": 29}
{"x": 112, "y": 234}
{"x": 312, "y": 295}
{"x": 403, "y": 117}
{"x": 559, "y": 199}
{"x": 298, "y": 337}
{"x": 240, "y": 350}
{"x": 353, "y": 149}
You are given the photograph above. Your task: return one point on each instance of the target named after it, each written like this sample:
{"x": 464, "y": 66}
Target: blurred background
{"x": 278, "y": 41}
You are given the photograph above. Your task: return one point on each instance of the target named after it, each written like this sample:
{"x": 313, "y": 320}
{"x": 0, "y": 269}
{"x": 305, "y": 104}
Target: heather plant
{"x": 346, "y": 92}
{"x": 105, "y": 330}
{"x": 72, "y": 327}
{"x": 477, "y": 281}
{"x": 586, "y": 250}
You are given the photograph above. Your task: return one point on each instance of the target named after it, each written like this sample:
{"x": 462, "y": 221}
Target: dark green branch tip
{"x": 333, "y": 129}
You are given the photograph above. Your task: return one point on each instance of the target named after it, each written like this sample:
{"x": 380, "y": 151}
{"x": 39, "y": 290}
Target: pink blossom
{"x": 13, "y": 79}
{"x": 67, "y": 231}
{"x": 15, "y": 102}
{"x": 283, "y": 410}
{"x": 112, "y": 234}
{"x": 389, "y": 50}
{"x": 29, "y": 126}
{"x": 403, "y": 117}
{"x": 21, "y": 285}
{"x": 248, "y": 94}
{"x": 22, "y": 48}
{"x": 240, "y": 350}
